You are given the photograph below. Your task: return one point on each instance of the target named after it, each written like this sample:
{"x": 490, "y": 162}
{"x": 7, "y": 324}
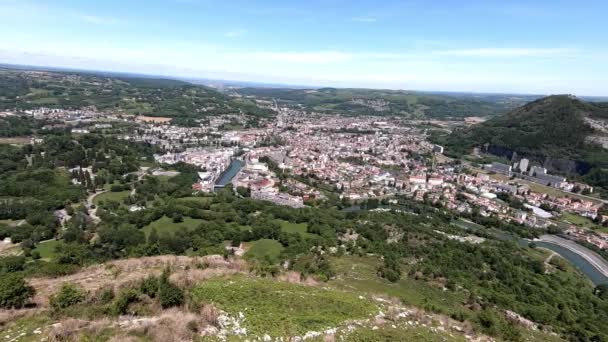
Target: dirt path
{"x": 90, "y": 203}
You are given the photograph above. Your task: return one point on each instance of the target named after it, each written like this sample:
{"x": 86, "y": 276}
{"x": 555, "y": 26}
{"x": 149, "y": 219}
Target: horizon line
{"x": 267, "y": 84}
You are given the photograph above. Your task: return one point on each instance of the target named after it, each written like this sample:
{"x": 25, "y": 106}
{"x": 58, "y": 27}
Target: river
{"x": 582, "y": 264}
{"x": 231, "y": 171}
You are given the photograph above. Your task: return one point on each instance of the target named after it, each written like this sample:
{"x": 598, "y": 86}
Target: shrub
{"x": 149, "y": 286}
{"x": 14, "y": 291}
{"x": 121, "y": 304}
{"x": 35, "y": 255}
{"x": 117, "y": 188}
{"x": 105, "y": 295}
{"x": 50, "y": 269}
{"x": 10, "y": 264}
{"x": 177, "y": 218}
{"x": 169, "y": 294}
{"x": 67, "y": 296}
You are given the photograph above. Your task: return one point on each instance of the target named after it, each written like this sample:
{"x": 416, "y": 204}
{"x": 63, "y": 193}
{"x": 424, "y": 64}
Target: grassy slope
{"x": 262, "y": 249}
{"x": 360, "y": 274}
{"x": 282, "y": 309}
{"x": 300, "y": 228}
{"x": 112, "y": 196}
{"x": 166, "y": 225}
{"x": 47, "y": 249}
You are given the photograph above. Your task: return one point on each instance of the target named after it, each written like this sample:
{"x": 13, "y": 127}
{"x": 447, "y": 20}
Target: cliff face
{"x": 553, "y": 164}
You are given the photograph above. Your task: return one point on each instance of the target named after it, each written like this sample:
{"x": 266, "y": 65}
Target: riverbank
{"x": 589, "y": 262}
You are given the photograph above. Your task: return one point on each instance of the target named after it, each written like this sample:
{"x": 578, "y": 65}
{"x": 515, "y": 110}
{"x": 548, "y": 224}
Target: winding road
{"x": 93, "y": 212}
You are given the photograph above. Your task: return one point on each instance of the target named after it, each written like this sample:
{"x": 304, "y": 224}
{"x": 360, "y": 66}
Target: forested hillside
{"x": 22, "y": 90}
{"x": 552, "y": 131}
{"x": 410, "y": 104}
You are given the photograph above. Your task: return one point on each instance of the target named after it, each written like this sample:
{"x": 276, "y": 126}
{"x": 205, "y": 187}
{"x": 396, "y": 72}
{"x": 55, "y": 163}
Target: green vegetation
{"x": 46, "y": 249}
{"x": 398, "y": 333}
{"x": 117, "y": 93}
{"x": 388, "y": 102}
{"x": 551, "y": 131}
{"x": 290, "y": 227}
{"x": 264, "y": 250}
{"x": 111, "y": 196}
{"x": 25, "y": 329}
{"x": 360, "y": 274}
{"x": 14, "y": 291}
{"x": 68, "y": 295}
{"x": 166, "y": 225}
{"x": 281, "y": 309}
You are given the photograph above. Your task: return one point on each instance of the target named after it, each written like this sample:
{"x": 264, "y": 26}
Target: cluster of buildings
{"x": 355, "y": 157}
{"x": 537, "y": 174}
{"x": 264, "y": 183}
{"x": 360, "y": 157}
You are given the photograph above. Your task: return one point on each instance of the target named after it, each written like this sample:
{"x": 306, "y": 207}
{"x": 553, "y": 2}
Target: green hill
{"x": 23, "y": 90}
{"x": 382, "y": 102}
{"x": 559, "y": 132}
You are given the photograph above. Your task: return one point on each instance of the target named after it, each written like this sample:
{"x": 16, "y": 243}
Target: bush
{"x": 117, "y": 188}
{"x": 168, "y": 293}
{"x": 67, "y": 296}
{"x": 121, "y": 304}
{"x": 105, "y": 295}
{"x": 49, "y": 269}
{"x": 14, "y": 291}
{"x": 149, "y": 286}
{"x": 178, "y": 218}
{"x": 10, "y": 264}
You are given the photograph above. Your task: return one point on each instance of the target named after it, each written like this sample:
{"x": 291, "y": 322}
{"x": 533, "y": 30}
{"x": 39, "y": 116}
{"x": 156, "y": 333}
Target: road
{"x": 593, "y": 258}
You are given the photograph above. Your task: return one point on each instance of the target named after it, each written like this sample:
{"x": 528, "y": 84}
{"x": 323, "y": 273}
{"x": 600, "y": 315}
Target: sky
{"x": 533, "y": 46}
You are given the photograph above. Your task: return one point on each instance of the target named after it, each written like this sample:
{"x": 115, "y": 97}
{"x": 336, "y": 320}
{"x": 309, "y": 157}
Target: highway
{"x": 593, "y": 258}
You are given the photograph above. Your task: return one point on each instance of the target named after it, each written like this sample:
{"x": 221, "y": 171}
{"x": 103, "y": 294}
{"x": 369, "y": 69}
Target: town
{"x": 298, "y": 157}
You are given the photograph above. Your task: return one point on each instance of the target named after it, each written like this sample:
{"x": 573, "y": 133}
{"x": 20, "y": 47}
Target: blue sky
{"x": 481, "y": 46}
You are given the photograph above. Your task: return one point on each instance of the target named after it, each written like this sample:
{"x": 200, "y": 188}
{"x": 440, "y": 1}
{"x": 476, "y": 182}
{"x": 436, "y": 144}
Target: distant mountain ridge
{"x": 386, "y": 102}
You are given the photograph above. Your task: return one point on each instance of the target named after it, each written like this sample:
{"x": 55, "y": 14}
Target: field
{"x": 165, "y": 225}
{"x": 47, "y": 249}
{"x": 300, "y": 228}
{"x": 112, "y": 196}
{"x": 263, "y": 249}
{"x": 279, "y": 308}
